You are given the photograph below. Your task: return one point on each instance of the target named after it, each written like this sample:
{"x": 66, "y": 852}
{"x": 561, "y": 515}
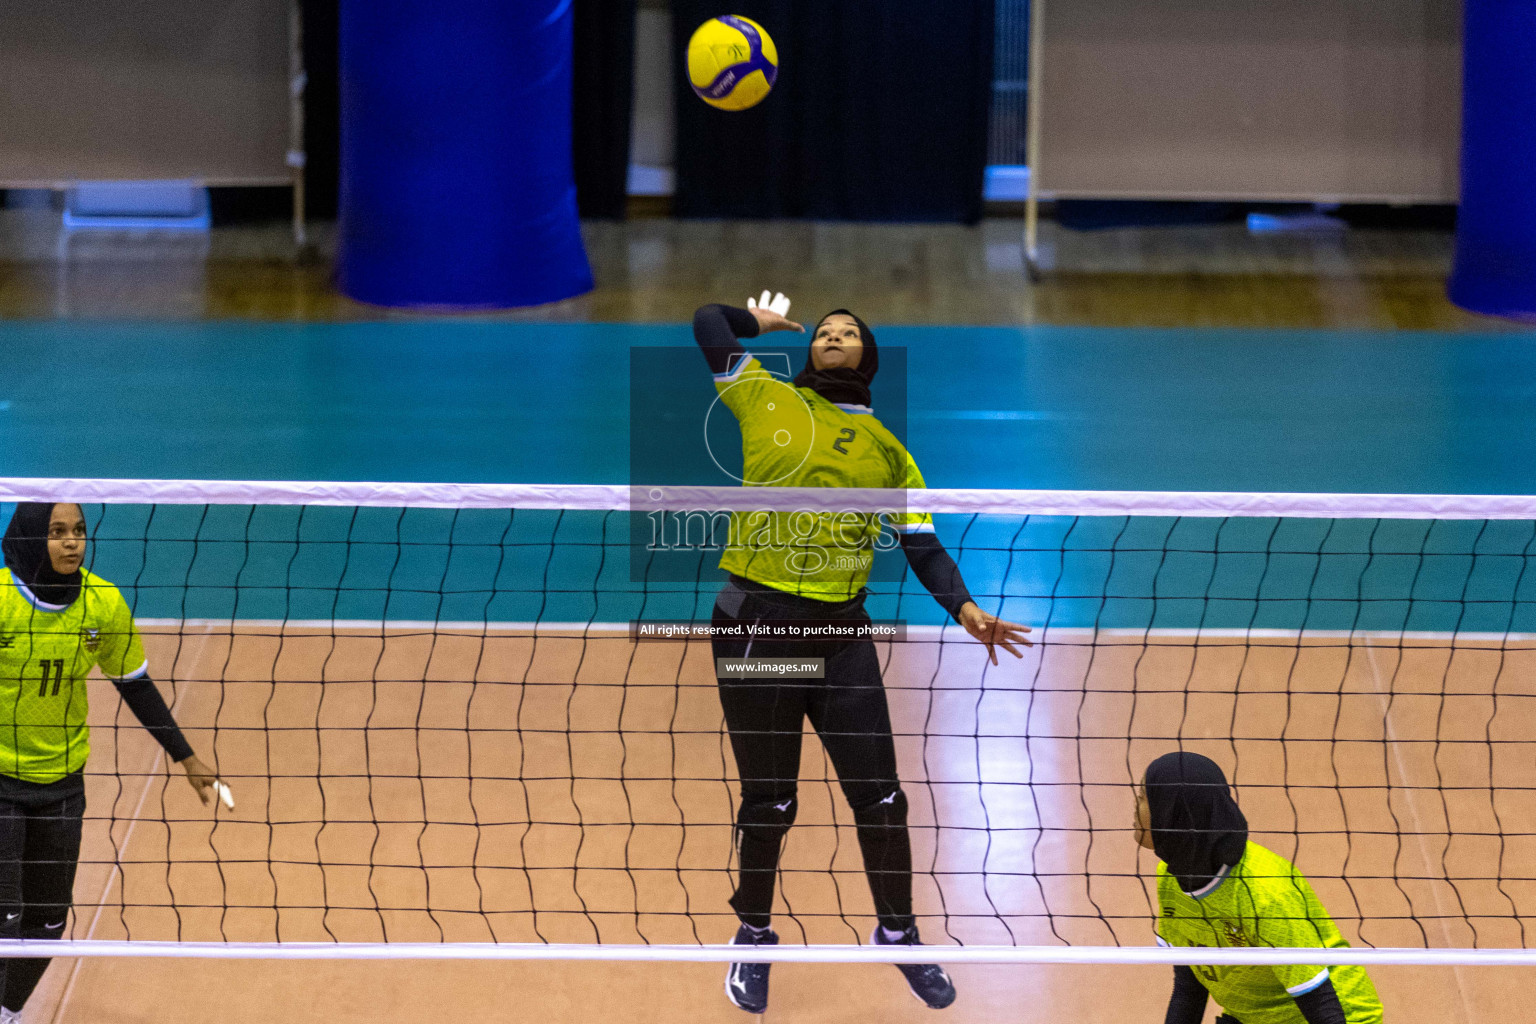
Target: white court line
{"x": 1128, "y": 955}
{"x": 1411, "y": 796}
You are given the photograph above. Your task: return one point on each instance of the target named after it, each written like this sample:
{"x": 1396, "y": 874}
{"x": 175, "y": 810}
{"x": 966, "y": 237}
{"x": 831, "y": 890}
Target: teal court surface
{"x": 1064, "y": 408}
{"x": 1045, "y": 407}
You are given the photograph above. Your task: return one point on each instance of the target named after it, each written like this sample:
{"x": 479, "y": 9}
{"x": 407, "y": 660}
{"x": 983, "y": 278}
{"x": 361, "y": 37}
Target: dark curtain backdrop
{"x": 603, "y": 92}
{"x": 604, "y": 76}
{"x": 322, "y": 106}
{"x": 880, "y": 113}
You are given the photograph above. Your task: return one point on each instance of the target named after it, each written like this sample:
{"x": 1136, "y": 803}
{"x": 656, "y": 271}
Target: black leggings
{"x": 848, "y": 710}
{"x": 39, "y": 849}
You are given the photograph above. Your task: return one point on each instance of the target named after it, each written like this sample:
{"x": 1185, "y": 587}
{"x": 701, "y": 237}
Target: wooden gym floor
{"x": 376, "y": 755}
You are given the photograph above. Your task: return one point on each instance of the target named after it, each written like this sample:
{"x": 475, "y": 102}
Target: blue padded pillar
{"x": 1495, "y": 268}
{"x": 456, "y": 182}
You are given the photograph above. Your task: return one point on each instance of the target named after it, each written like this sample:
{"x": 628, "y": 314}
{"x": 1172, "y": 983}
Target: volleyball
{"x": 732, "y": 62}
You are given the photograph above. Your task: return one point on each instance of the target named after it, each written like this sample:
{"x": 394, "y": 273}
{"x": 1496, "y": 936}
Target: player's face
{"x": 1143, "y": 819}
{"x": 837, "y": 343}
{"x": 66, "y": 538}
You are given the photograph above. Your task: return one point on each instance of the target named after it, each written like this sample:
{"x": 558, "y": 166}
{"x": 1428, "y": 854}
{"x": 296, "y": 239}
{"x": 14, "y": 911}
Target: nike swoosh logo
{"x": 52, "y": 927}
{"x": 783, "y": 806}
{"x": 890, "y": 799}
{"x": 12, "y": 917}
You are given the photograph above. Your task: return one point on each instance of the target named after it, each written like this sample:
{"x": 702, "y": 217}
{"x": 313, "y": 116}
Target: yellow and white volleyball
{"x": 732, "y": 62}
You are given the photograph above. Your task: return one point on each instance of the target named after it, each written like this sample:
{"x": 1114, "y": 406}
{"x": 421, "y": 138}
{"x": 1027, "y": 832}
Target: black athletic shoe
{"x": 746, "y": 985}
{"x": 928, "y": 982}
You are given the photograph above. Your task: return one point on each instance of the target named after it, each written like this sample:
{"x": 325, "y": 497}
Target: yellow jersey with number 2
{"x": 793, "y": 437}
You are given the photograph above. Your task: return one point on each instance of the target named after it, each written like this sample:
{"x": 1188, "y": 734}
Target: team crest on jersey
{"x": 92, "y": 639}
{"x": 1234, "y": 934}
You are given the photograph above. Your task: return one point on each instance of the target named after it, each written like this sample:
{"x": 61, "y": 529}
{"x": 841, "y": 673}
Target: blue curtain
{"x": 1495, "y": 269}
{"x": 457, "y": 189}
{"x": 880, "y": 113}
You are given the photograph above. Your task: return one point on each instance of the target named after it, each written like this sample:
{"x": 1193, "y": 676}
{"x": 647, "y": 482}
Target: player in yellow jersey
{"x": 818, "y": 431}
{"x": 57, "y": 620}
{"x": 1215, "y": 888}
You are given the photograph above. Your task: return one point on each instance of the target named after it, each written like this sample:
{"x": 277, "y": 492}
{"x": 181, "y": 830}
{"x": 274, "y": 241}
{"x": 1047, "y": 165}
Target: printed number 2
{"x": 57, "y": 665}
{"x": 843, "y": 437}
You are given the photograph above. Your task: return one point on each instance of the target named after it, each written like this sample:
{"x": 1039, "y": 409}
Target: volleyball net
{"x": 476, "y": 720}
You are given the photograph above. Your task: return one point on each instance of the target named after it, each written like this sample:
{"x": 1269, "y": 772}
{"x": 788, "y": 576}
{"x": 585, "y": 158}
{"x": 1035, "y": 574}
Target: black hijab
{"x": 1197, "y": 828}
{"x": 26, "y": 555}
{"x": 842, "y": 384}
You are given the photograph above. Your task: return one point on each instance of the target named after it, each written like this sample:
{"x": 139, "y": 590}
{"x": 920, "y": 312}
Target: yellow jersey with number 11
{"x": 46, "y": 652}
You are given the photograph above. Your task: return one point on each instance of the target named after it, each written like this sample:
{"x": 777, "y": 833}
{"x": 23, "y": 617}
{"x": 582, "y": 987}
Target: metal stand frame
{"x": 1032, "y": 140}
{"x": 298, "y": 81}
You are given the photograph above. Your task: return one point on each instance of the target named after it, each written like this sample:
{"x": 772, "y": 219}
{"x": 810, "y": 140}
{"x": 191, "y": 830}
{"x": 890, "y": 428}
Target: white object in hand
{"x": 777, "y": 304}
{"x": 225, "y": 794}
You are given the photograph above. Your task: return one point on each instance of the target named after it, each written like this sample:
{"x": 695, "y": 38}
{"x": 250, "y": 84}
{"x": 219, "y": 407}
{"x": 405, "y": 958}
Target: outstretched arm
{"x": 144, "y": 700}
{"x": 937, "y": 571}
{"x": 716, "y": 328}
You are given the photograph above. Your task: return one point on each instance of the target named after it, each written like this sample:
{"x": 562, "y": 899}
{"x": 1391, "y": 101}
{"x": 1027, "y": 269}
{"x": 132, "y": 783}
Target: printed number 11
{"x": 57, "y": 664}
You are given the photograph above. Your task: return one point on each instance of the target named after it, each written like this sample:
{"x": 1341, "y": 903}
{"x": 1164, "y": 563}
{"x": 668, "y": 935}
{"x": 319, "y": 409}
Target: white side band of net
{"x": 673, "y": 498}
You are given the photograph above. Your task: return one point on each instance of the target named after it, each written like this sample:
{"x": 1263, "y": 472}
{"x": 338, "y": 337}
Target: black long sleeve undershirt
{"x": 1187, "y": 1004}
{"x": 1321, "y": 1005}
{"x": 936, "y": 570}
{"x": 144, "y": 700}
{"x": 716, "y": 328}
